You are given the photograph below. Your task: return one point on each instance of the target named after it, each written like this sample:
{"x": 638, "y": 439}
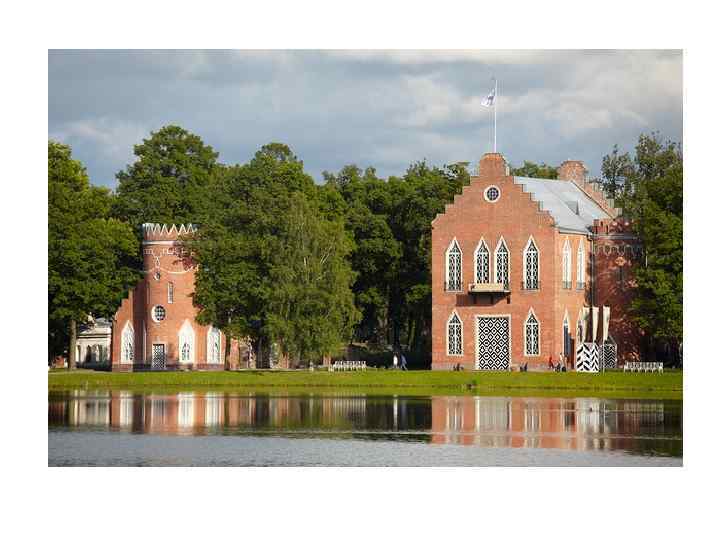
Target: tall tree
{"x": 653, "y": 198}
{"x": 168, "y": 181}
{"x": 91, "y": 256}
{"x": 311, "y": 309}
{"x": 530, "y": 169}
{"x": 243, "y": 235}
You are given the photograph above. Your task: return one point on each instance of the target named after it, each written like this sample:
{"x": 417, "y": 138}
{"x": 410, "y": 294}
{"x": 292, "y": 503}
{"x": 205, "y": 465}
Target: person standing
{"x": 403, "y": 362}
{"x": 395, "y": 361}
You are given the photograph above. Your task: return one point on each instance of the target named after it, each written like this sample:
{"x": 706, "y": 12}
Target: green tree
{"x": 530, "y": 169}
{"x": 241, "y": 243}
{"x": 168, "y": 182}
{"x": 653, "y": 200}
{"x": 91, "y": 256}
{"x": 616, "y": 168}
{"x": 311, "y": 309}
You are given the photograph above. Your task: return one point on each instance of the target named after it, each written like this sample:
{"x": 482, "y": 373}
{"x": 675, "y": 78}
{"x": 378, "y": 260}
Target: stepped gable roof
{"x": 570, "y": 207}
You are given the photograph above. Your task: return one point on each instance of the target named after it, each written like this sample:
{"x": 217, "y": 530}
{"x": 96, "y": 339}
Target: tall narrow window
{"x": 171, "y": 292}
{"x": 482, "y": 263}
{"x": 454, "y": 268}
{"x": 186, "y": 339}
{"x": 567, "y": 348}
{"x": 213, "y": 345}
{"x": 532, "y": 266}
{"x": 581, "y": 266}
{"x": 502, "y": 264}
{"x": 127, "y": 344}
{"x": 532, "y": 335}
{"x": 566, "y": 265}
{"x": 454, "y": 335}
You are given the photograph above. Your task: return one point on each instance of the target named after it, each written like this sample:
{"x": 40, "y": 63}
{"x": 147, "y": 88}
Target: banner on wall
{"x": 606, "y": 323}
{"x": 595, "y": 316}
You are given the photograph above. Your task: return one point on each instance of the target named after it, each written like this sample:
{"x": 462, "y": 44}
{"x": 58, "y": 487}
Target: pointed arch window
{"x": 453, "y": 271}
{"x": 482, "y": 263}
{"x": 567, "y": 347}
{"x": 454, "y": 336}
{"x": 186, "y": 339}
{"x": 213, "y": 346}
{"x": 566, "y": 265}
{"x": 502, "y": 264}
{"x": 581, "y": 266}
{"x": 531, "y": 263}
{"x": 127, "y": 344}
{"x": 532, "y": 335}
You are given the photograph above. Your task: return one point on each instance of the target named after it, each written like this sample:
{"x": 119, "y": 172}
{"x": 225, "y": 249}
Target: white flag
{"x": 489, "y": 101}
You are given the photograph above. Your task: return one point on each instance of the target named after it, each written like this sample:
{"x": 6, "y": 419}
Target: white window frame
{"x": 213, "y": 337}
{"x": 581, "y": 263}
{"x": 447, "y": 335}
{"x": 482, "y": 243}
{"x": 531, "y": 313}
{"x": 171, "y": 292}
{"x": 127, "y": 340}
{"x": 454, "y": 242}
{"x": 501, "y": 242}
{"x": 186, "y": 335}
{"x": 567, "y": 263}
{"x": 531, "y": 241}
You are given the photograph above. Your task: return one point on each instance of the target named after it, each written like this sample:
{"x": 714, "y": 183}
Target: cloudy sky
{"x": 384, "y": 109}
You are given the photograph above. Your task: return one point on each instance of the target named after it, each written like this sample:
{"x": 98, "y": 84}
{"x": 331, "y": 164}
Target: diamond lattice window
{"x": 454, "y": 264}
{"x": 531, "y": 267}
{"x": 455, "y": 336}
{"x": 482, "y": 264}
{"x": 532, "y": 336}
{"x": 502, "y": 257}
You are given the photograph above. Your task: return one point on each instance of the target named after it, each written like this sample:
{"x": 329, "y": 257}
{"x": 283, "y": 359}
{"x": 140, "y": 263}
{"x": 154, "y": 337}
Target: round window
{"x": 492, "y": 193}
{"x": 158, "y": 313}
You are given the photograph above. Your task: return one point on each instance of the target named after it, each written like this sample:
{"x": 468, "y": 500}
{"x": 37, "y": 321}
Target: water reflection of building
{"x": 559, "y": 423}
{"x": 501, "y": 422}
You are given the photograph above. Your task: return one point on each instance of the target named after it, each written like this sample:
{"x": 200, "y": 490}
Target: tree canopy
{"x": 168, "y": 181}
{"x": 272, "y": 258}
{"x": 530, "y": 169}
{"x": 652, "y": 197}
{"x": 91, "y": 256}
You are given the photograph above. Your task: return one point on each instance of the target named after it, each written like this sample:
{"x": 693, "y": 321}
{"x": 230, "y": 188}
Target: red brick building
{"x": 155, "y": 327}
{"x": 521, "y": 270}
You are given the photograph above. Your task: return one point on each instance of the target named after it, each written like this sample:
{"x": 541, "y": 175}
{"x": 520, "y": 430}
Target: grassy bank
{"x": 610, "y": 384}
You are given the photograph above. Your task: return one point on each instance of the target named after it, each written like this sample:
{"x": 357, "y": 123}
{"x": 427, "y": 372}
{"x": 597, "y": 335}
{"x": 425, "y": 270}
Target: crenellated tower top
{"x": 153, "y": 232}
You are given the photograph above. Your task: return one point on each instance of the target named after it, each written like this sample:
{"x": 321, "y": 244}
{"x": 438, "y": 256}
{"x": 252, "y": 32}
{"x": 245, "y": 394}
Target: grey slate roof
{"x": 568, "y": 205}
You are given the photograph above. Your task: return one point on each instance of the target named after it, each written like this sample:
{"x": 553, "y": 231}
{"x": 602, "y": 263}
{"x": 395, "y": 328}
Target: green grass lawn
{"x": 610, "y": 384}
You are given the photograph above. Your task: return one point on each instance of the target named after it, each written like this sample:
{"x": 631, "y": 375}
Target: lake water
{"x": 117, "y": 428}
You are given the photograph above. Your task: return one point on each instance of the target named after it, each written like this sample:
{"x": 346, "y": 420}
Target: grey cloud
{"x": 375, "y": 108}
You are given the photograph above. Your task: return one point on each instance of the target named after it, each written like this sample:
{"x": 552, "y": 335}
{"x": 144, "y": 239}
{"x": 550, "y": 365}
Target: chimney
{"x": 493, "y": 166}
{"x": 572, "y": 170}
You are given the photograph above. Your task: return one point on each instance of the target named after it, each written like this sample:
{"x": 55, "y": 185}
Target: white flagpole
{"x": 495, "y": 122}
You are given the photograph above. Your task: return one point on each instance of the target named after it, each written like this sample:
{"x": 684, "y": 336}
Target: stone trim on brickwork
{"x": 127, "y": 344}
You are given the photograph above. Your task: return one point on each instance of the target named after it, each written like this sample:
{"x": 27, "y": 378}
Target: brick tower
{"x": 155, "y": 327}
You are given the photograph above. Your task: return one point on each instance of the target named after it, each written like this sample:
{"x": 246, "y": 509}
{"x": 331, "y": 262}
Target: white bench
{"x": 644, "y": 367}
{"x": 348, "y": 365}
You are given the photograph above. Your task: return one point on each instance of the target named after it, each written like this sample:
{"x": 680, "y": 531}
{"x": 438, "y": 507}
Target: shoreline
{"x": 613, "y": 384}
